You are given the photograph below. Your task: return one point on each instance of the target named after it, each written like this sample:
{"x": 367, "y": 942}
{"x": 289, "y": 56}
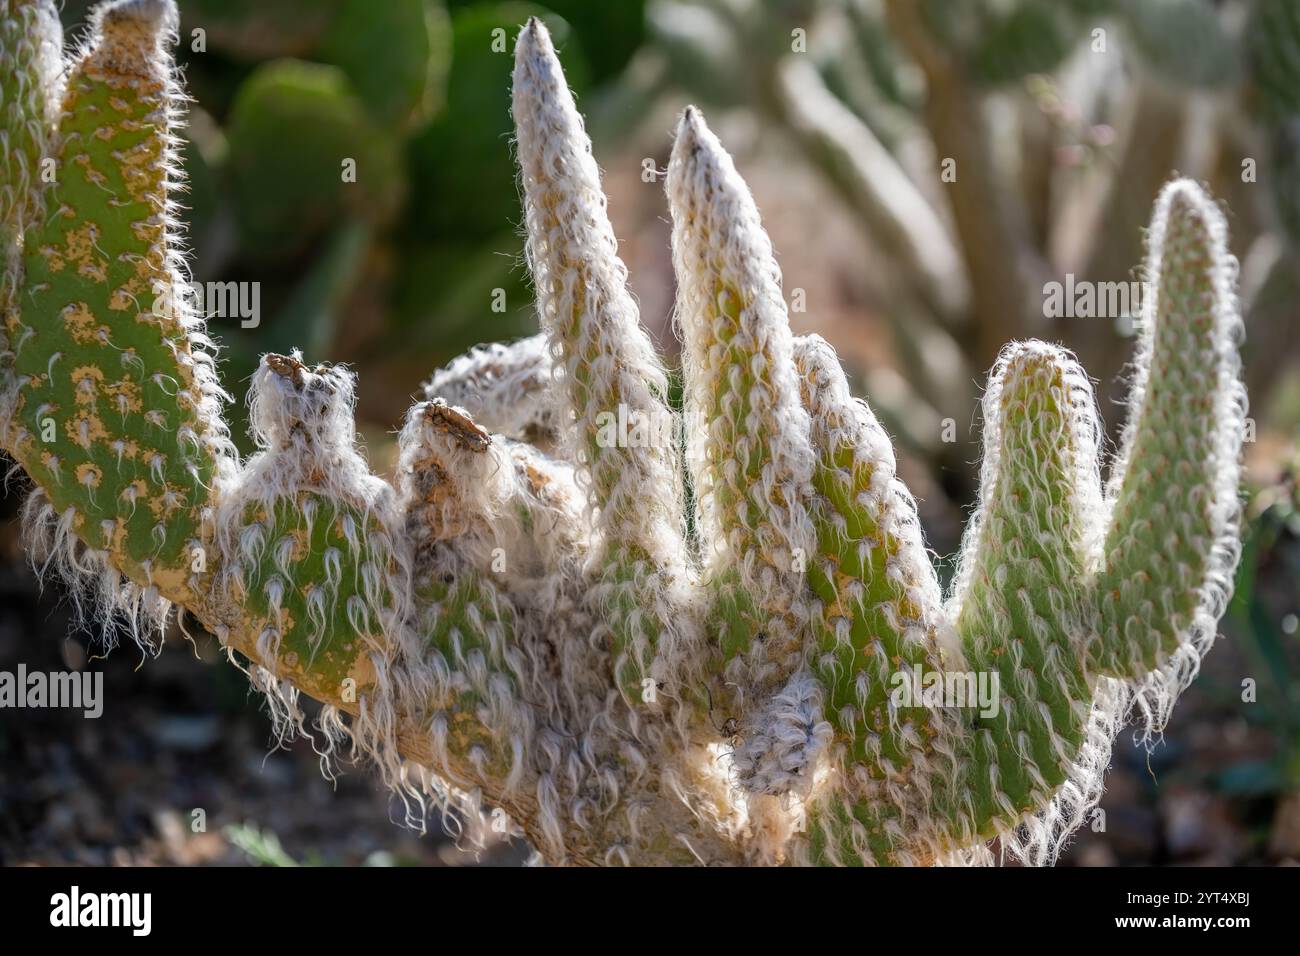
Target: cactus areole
{"x": 538, "y": 632}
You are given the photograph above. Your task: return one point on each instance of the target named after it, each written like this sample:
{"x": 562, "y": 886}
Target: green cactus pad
{"x": 312, "y": 587}
{"x": 110, "y": 390}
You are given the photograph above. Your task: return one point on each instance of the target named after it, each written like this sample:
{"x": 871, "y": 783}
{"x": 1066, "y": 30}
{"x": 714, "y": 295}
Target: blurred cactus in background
{"x": 704, "y": 631}
{"x": 1263, "y": 610}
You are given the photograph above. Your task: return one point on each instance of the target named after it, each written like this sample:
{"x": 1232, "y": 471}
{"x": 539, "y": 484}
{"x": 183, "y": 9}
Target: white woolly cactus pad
{"x": 537, "y": 630}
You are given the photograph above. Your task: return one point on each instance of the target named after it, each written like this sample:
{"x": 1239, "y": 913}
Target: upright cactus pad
{"x": 115, "y": 409}
{"x": 531, "y": 627}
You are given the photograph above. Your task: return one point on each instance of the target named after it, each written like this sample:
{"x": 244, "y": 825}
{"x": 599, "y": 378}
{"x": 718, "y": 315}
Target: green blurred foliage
{"x": 1266, "y": 595}
{"x": 1181, "y": 41}
{"x": 285, "y": 197}
{"x": 1032, "y": 37}
{"x": 396, "y": 53}
{"x": 1273, "y": 49}
{"x": 260, "y": 29}
{"x": 607, "y": 32}
{"x": 462, "y": 162}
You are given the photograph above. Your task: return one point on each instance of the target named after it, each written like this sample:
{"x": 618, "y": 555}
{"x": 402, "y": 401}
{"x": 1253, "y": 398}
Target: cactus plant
{"x": 547, "y": 633}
